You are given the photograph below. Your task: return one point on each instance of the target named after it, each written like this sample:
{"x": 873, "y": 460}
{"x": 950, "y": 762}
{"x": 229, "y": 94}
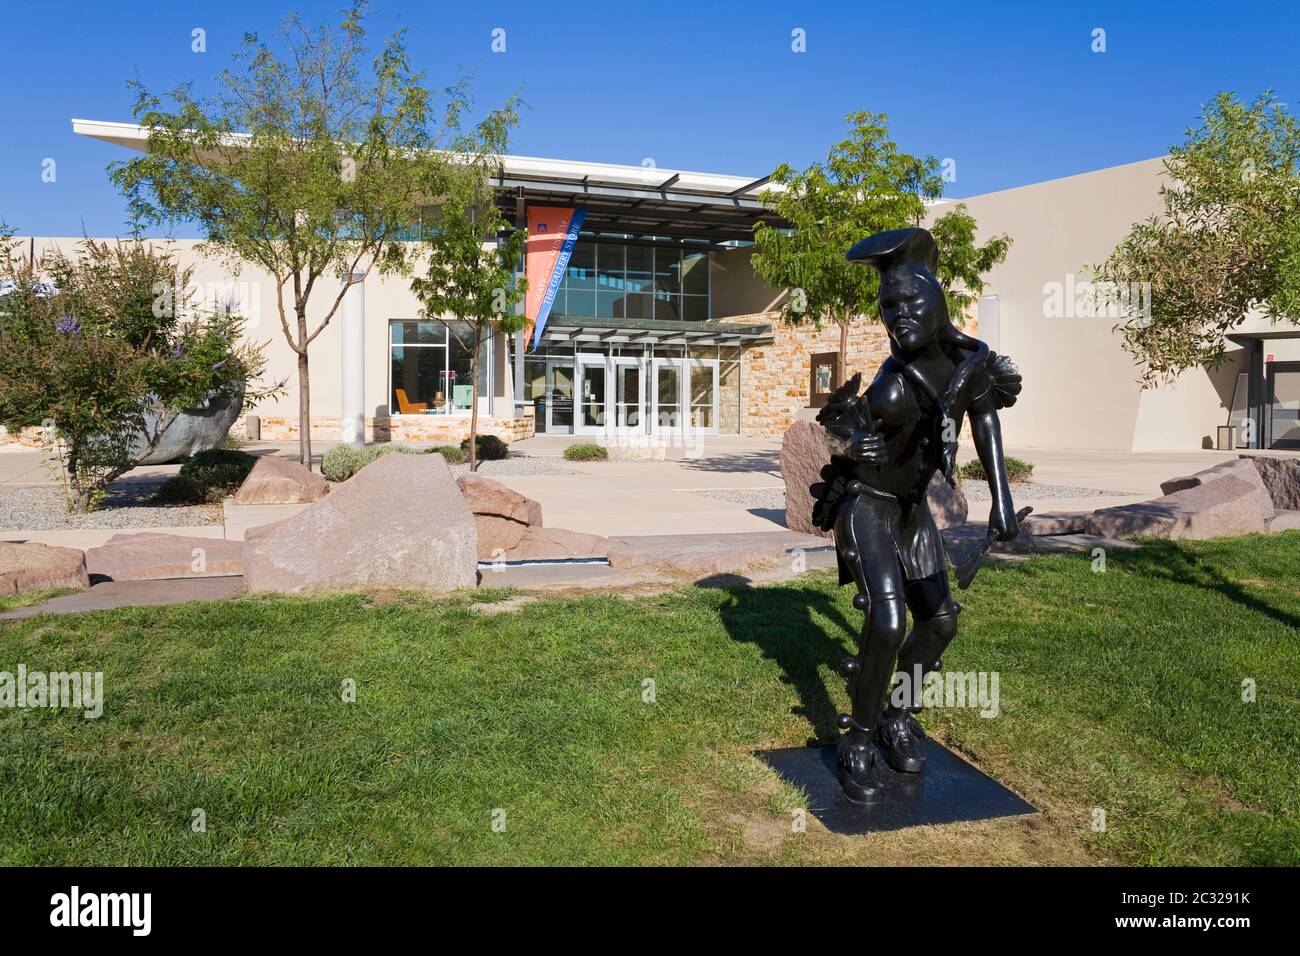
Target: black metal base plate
{"x": 949, "y": 790}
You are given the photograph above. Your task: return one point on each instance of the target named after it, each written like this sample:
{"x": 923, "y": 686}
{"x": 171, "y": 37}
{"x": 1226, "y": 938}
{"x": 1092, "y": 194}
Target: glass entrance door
{"x": 559, "y": 389}
{"x": 1283, "y": 410}
{"x": 702, "y": 393}
{"x": 666, "y": 396}
{"x": 591, "y": 401}
{"x": 629, "y": 395}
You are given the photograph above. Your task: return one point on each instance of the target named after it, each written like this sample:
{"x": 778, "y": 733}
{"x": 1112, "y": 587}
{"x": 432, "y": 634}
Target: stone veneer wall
{"x": 775, "y": 378}
{"x": 444, "y": 429}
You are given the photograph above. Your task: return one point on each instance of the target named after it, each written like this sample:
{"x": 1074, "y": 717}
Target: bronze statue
{"x": 886, "y": 445}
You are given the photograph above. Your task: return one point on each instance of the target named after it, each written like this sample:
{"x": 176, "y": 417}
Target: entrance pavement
{"x": 667, "y": 497}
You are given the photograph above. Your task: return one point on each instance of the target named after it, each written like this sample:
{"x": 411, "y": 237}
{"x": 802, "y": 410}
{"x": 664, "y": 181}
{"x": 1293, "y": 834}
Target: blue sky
{"x": 1009, "y": 90}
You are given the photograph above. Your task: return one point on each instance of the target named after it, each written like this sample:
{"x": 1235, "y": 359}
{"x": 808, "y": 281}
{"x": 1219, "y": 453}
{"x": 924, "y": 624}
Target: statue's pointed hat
{"x": 906, "y": 248}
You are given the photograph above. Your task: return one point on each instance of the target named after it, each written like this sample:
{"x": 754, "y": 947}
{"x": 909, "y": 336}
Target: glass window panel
{"x": 668, "y": 307}
{"x": 410, "y": 332}
{"x": 701, "y": 384}
{"x": 610, "y": 268}
{"x": 580, "y": 304}
{"x": 581, "y": 273}
{"x": 417, "y": 376}
{"x": 668, "y": 266}
{"x": 639, "y": 306}
{"x": 695, "y": 273}
{"x": 695, "y": 308}
{"x": 457, "y": 395}
{"x": 609, "y": 304}
{"x": 640, "y": 268}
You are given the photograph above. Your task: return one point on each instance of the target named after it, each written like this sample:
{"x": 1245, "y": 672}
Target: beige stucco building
{"x": 659, "y": 326}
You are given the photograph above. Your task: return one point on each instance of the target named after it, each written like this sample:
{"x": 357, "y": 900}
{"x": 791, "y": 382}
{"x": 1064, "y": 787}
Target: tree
{"x": 473, "y": 254}
{"x": 307, "y": 164}
{"x": 104, "y": 352}
{"x": 1227, "y": 244}
{"x": 962, "y": 263}
{"x": 865, "y": 186}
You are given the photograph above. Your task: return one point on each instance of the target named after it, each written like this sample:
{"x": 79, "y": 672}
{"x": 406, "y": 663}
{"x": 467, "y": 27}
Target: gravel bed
{"x": 768, "y": 499}
{"x": 127, "y": 505}
{"x": 774, "y": 498}
{"x": 518, "y": 465}
{"x": 979, "y": 491}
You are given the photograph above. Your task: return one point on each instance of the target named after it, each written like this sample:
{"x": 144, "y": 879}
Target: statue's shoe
{"x": 900, "y": 738}
{"x": 857, "y": 771}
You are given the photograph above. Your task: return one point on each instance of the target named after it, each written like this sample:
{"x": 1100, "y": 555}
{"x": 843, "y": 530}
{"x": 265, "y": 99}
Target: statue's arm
{"x": 986, "y": 431}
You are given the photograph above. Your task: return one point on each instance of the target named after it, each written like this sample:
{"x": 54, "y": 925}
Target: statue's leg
{"x": 868, "y": 550}
{"x": 934, "y": 625}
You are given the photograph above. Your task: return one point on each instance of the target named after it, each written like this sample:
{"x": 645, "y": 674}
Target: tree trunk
{"x": 304, "y": 394}
{"x": 473, "y": 411}
{"x": 304, "y": 411}
{"x": 844, "y": 349}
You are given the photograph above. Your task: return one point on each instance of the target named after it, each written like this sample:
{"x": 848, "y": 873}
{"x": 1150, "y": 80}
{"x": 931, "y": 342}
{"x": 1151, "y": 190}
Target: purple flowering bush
{"x": 103, "y": 347}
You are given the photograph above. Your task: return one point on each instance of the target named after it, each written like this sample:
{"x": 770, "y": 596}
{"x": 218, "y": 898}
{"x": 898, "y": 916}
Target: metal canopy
{"x": 667, "y": 210}
{"x": 615, "y": 331}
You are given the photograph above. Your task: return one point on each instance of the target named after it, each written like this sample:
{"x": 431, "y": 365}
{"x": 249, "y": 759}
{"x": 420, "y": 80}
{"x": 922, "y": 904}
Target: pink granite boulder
{"x": 1239, "y": 468}
{"x": 501, "y": 516}
{"x": 279, "y": 481}
{"x": 1281, "y": 476}
{"x": 1223, "y": 507}
{"x": 803, "y": 455}
{"x": 138, "y": 557}
{"x": 700, "y": 555}
{"x": 28, "y": 566}
{"x": 554, "y": 544}
{"x": 400, "y": 522}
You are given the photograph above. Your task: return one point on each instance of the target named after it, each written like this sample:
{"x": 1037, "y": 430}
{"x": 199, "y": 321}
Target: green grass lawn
{"x": 1119, "y": 690}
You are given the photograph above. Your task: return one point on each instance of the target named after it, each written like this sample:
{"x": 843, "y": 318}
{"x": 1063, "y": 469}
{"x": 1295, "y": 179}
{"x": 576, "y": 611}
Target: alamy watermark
{"x": 76, "y": 690}
{"x": 965, "y": 689}
{"x": 1085, "y": 299}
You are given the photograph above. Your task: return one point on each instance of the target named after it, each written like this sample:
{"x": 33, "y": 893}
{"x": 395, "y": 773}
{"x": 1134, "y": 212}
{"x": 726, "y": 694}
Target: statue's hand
{"x": 868, "y": 448}
{"x": 1002, "y": 522}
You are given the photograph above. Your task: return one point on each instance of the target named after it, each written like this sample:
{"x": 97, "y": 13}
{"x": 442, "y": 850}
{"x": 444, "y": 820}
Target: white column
{"x": 352, "y": 350}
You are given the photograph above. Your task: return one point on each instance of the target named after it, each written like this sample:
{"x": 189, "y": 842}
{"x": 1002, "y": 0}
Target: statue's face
{"x": 912, "y": 309}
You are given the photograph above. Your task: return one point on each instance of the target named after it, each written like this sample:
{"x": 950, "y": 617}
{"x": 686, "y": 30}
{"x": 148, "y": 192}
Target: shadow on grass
{"x": 1172, "y": 561}
{"x": 783, "y": 623}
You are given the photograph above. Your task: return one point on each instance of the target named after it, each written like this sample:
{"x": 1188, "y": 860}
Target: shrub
{"x": 207, "y": 476}
{"x": 1017, "y": 470}
{"x": 94, "y": 354}
{"x": 453, "y": 454}
{"x": 586, "y": 451}
{"x": 487, "y": 448}
{"x": 343, "y": 461}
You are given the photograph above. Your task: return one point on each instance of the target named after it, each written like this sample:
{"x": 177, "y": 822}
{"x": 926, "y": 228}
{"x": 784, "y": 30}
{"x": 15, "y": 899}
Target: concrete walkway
{"x": 667, "y": 497}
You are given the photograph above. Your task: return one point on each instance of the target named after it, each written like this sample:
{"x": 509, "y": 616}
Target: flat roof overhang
{"x": 563, "y": 331}
{"x": 1241, "y": 338}
{"x": 640, "y": 201}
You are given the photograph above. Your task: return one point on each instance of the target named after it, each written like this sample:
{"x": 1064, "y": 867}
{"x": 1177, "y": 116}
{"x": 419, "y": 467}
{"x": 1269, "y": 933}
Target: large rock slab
{"x": 400, "y": 522}
{"x": 1224, "y": 507}
{"x": 1057, "y": 522}
{"x": 29, "y": 566}
{"x": 196, "y": 429}
{"x": 1281, "y": 476}
{"x": 488, "y": 497}
{"x": 1239, "y": 468}
{"x": 501, "y": 516}
{"x": 804, "y": 454}
{"x": 947, "y": 504}
{"x": 696, "y": 555}
{"x": 147, "y": 556}
{"x": 279, "y": 481}
{"x": 555, "y": 544}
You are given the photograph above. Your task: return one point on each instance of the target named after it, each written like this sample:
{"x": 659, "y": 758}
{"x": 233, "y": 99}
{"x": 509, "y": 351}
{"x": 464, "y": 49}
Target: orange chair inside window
{"x": 407, "y": 407}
